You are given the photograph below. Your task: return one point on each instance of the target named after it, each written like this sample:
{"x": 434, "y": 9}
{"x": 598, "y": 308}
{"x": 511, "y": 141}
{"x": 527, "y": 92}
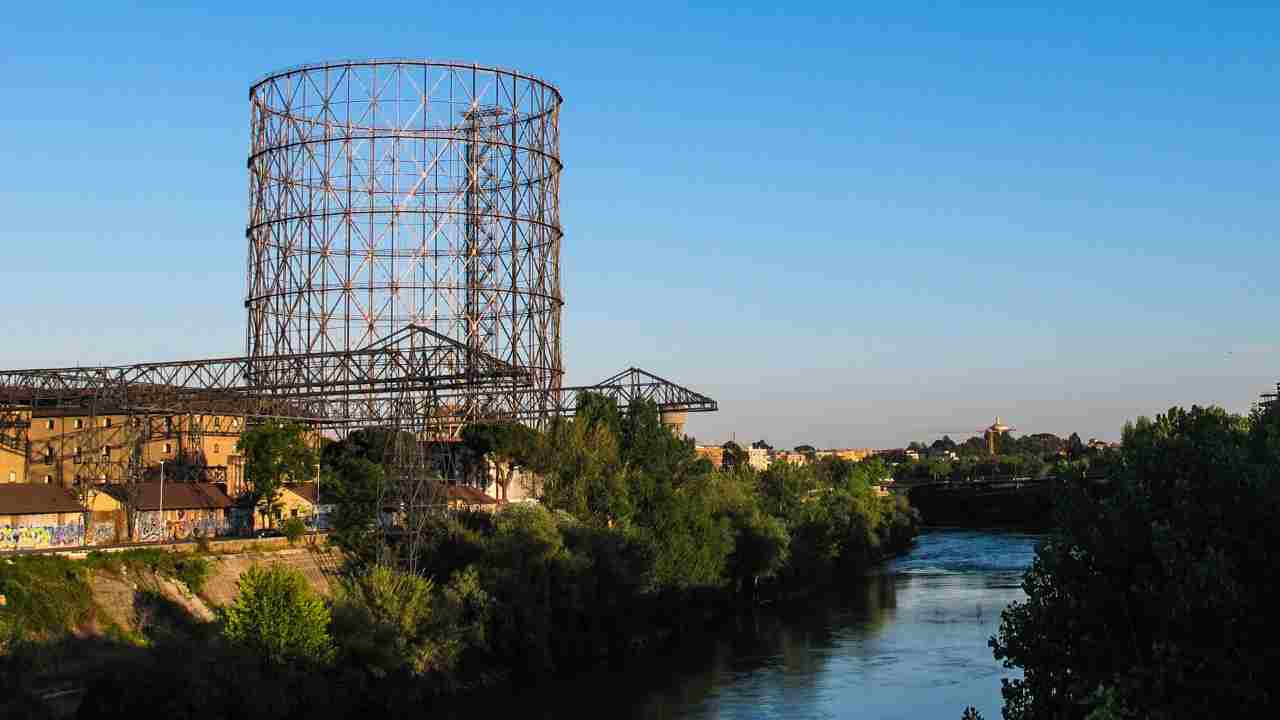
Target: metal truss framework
{"x": 394, "y": 193}
{"x": 1268, "y": 399}
{"x": 415, "y": 373}
{"x": 403, "y": 273}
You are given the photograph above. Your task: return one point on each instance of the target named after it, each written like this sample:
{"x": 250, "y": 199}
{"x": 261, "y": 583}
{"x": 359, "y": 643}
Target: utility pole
{"x": 162, "y": 501}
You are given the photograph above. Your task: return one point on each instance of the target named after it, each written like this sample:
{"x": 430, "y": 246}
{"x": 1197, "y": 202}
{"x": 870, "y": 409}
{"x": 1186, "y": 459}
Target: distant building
{"x": 463, "y": 497}
{"x": 163, "y": 512}
{"x": 75, "y": 448}
{"x": 713, "y": 453}
{"x": 850, "y": 454}
{"x": 792, "y": 457}
{"x": 35, "y": 517}
{"x": 13, "y": 465}
{"x": 758, "y": 458}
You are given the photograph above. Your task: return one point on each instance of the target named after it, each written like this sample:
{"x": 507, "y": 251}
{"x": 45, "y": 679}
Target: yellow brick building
{"x": 71, "y": 448}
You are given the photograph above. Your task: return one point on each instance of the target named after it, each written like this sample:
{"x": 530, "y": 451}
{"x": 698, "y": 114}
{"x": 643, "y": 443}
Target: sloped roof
{"x": 469, "y": 495}
{"x": 177, "y": 496}
{"x": 306, "y": 491}
{"x": 36, "y": 499}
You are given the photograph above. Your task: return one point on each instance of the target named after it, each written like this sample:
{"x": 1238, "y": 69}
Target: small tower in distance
{"x": 993, "y": 434}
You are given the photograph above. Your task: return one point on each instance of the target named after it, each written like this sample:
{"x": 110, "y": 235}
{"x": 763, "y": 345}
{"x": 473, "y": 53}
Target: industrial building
{"x": 404, "y": 245}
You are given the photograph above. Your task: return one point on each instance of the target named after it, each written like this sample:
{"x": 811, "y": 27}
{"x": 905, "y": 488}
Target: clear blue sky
{"x": 853, "y": 227}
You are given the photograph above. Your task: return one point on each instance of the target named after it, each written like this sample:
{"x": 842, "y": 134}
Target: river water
{"x": 907, "y": 641}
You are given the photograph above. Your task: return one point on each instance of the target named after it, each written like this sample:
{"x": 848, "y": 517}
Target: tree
{"x": 274, "y": 453}
{"x": 761, "y": 445}
{"x": 1075, "y": 446}
{"x": 735, "y": 456}
{"x": 277, "y": 616}
{"x": 505, "y": 446}
{"x": 760, "y": 548}
{"x": 1157, "y": 595}
{"x": 354, "y": 486}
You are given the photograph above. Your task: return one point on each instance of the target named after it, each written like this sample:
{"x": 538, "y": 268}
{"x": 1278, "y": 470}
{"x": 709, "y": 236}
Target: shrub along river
{"x": 909, "y": 640}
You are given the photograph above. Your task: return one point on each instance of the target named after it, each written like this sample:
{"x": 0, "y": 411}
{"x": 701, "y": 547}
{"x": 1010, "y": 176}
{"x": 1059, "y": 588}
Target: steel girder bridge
{"x": 413, "y": 373}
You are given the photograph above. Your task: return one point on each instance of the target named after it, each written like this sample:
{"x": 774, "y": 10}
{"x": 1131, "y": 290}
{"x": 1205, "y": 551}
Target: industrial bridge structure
{"x": 403, "y": 271}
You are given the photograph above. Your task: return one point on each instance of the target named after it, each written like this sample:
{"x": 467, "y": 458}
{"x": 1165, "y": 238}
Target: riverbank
{"x": 908, "y": 639}
{"x": 126, "y": 614}
{"x": 65, "y": 618}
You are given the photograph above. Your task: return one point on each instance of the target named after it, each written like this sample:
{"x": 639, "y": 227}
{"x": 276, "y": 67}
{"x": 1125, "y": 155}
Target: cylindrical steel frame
{"x": 385, "y": 194}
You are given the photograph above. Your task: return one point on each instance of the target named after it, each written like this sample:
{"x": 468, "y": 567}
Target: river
{"x": 907, "y": 641}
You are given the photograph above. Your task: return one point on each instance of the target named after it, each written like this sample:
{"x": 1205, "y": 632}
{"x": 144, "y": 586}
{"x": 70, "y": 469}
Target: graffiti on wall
{"x": 191, "y": 528}
{"x": 21, "y": 537}
{"x": 104, "y": 533}
{"x": 150, "y": 527}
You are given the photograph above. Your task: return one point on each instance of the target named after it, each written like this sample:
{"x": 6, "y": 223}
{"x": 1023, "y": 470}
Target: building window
{"x": 106, "y": 422}
{"x": 106, "y": 451}
{"x": 48, "y": 479}
{"x": 76, "y": 453}
{"x": 168, "y": 448}
{"x": 13, "y": 476}
{"x": 79, "y": 423}
{"x": 216, "y": 448}
{"x": 48, "y": 454}
{"x": 48, "y": 424}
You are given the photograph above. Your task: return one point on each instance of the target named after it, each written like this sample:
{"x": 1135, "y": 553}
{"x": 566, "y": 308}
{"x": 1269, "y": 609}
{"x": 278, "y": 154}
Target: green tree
{"x": 278, "y": 616}
{"x": 353, "y": 485}
{"x": 1155, "y": 595}
{"x": 586, "y": 478}
{"x": 390, "y": 621}
{"x": 506, "y": 447}
{"x": 274, "y": 453}
{"x": 760, "y": 548}
{"x": 1075, "y": 446}
{"x": 735, "y": 456}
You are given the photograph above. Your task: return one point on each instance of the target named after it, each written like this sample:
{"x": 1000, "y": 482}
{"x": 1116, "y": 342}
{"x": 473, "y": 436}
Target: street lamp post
{"x": 161, "y": 501}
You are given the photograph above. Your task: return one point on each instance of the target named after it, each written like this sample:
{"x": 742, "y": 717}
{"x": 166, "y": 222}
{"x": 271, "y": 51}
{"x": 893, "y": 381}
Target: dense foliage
{"x": 278, "y": 617}
{"x": 1036, "y": 455}
{"x": 274, "y": 453}
{"x": 635, "y": 544}
{"x": 1154, "y": 599}
{"x": 634, "y": 541}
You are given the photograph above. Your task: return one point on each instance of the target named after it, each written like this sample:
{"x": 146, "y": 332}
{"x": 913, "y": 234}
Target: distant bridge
{"x": 994, "y": 501}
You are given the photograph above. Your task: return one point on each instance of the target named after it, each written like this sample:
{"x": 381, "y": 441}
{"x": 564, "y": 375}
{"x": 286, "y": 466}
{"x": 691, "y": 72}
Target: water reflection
{"x": 908, "y": 641}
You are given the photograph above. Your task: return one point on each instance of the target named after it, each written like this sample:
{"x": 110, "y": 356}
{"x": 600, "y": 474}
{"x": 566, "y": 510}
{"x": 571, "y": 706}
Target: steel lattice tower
{"x": 393, "y": 194}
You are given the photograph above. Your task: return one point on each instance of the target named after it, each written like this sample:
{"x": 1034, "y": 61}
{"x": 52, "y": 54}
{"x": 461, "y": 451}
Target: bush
{"x": 191, "y": 569}
{"x": 278, "y": 616}
{"x": 45, "y": 597}
{"x": 388, "y": 621}
{"x": 293, "y": 529}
